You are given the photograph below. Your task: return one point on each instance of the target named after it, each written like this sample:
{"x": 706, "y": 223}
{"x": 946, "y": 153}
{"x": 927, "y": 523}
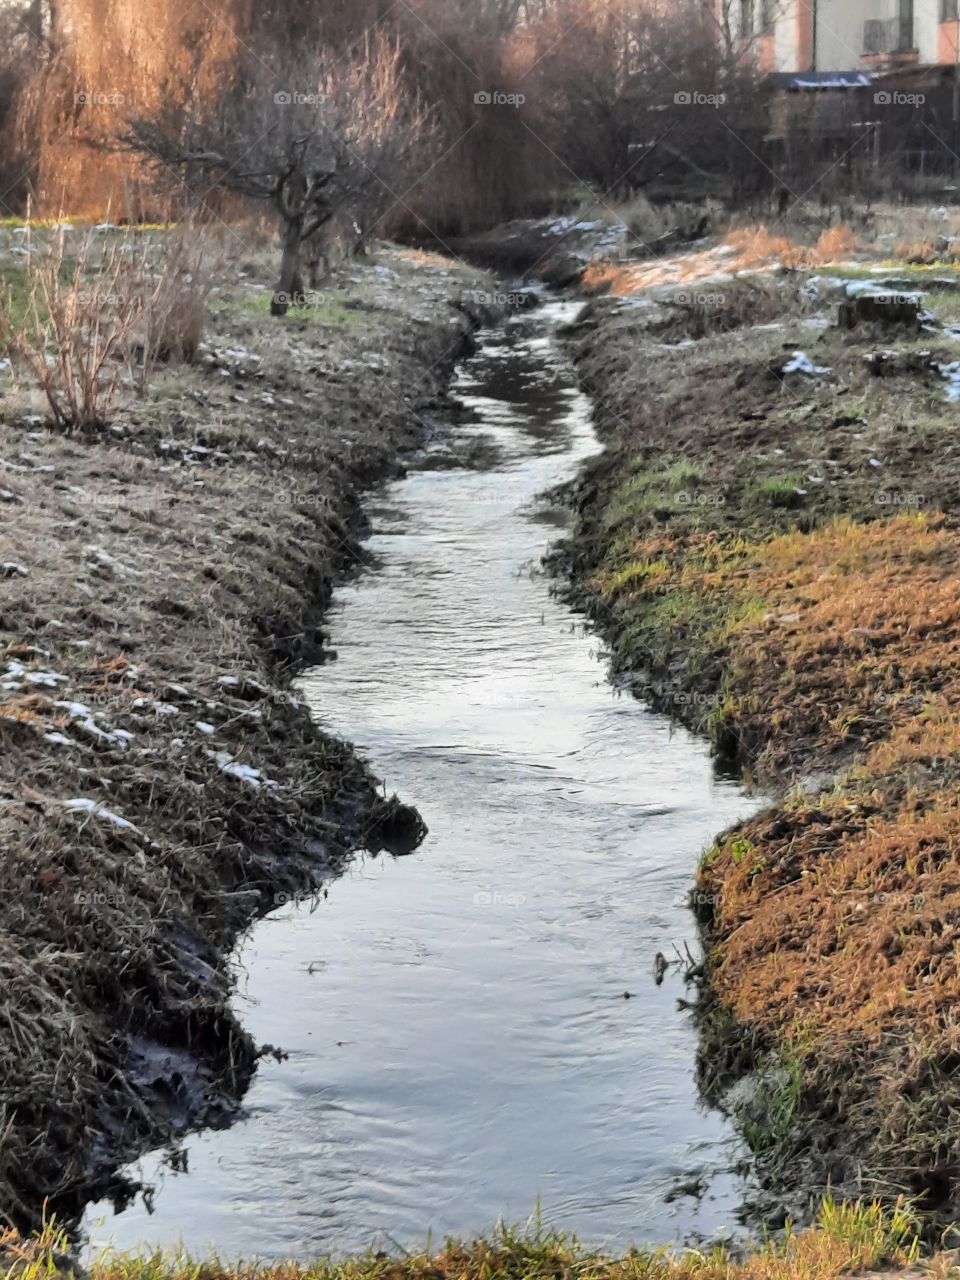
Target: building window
{"x": 768, "y": 16}
{"x": 949, "y": 10}
{"x": 746, "y": 17}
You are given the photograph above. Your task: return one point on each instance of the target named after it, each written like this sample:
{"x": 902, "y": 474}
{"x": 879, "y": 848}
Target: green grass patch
{"x": 330, "y": 314}
{"x": 14, "y": 293}
{"x": 845, "y": 1237}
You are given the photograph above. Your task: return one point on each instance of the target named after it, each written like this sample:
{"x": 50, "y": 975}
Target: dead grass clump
{"x": 602, "y": 276}
{"x": 835, "y": 244}
{"x": 756, "y": 247}
{"x": 174, "y": 310}
{"x": 74, "y": 330}
{"x": 697, "y": 314}
{"x": 861, "y": 932}
{"x": 98, "y": 320}
{"x": 922, "y": 253}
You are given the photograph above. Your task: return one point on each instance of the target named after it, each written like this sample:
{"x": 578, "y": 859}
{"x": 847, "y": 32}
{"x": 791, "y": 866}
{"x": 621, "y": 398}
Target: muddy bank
{"x": 159, "y": 784}
{"x": 769, "y": 545}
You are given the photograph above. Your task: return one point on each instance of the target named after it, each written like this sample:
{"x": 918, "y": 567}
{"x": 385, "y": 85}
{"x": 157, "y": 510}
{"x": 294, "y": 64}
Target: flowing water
{"x": 460, "y": 1044}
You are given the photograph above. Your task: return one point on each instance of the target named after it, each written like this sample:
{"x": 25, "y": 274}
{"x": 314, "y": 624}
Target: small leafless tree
{"x": 330, "y": 136}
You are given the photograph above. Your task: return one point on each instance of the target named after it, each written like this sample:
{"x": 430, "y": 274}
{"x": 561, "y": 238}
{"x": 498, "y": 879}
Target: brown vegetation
{"x": 777, "y": 563}
{"x": 159, "y": 783}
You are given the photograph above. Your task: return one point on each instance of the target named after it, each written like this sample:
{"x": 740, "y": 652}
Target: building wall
{"x": 840, "y": 33}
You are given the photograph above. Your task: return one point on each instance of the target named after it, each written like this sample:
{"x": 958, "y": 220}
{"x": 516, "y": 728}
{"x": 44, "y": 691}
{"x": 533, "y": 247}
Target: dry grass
{"x": 92, "y": 320}
{"x": 777, "y": 561}
{"x": 72, "y": 336}
{"x": 170, "y": 576}
{"x": 745, "y": 249}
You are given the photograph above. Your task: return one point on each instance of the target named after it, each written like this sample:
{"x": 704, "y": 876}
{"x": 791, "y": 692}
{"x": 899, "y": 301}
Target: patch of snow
{"x": 800, "y": 362}
{"x": 45, "y": 679}
{"x": 75, "y": 710}
{"x": 115, "y": 737}
{"x": 205, "y": 728}
{"x": 10, "y": 569}
{"x": 83, "y": 718}
{"x": 951, "y": 372}
{"x": 59, "y": 739}
{"x": 244, "y": 772}
{"x": 96, "y": 810}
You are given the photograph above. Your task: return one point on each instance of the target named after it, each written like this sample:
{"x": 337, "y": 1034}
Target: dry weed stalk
{"x": 104, "y": 317}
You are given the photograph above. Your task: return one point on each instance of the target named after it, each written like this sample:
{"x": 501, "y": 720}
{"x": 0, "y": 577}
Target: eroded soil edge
{"x": 159, "y": 783}
{"x": 769, "y": 545}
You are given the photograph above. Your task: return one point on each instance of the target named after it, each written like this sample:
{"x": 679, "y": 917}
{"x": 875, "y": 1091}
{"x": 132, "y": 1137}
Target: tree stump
{"x": 903, "y": 310}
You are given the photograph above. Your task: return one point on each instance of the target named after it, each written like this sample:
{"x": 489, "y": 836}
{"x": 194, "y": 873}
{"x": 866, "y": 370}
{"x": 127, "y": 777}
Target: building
{"x": 845, "y": 35}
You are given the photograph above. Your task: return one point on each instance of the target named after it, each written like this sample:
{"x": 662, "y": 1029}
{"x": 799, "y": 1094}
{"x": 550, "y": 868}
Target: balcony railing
{"x": 884, "y": 36}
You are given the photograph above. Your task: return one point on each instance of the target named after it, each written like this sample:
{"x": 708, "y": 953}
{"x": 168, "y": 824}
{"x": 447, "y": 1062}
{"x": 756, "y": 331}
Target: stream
{"x": 460, "y": 1045}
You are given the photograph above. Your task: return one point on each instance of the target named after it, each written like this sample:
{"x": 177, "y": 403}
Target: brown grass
{"x": 744, "y": 249}
{"x": 197, "y": 539}
{"x": 738, "y": 544}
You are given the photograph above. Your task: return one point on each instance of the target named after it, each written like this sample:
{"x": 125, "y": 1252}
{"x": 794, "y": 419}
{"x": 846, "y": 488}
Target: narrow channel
{"x": 460, "y": 1045}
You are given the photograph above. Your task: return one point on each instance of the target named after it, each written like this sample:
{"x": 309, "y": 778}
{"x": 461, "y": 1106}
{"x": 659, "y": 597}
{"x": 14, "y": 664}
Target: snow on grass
{"x": 82, "y": 717}
{"x": 84, "y": 805}
{"x": 800, "y": 362}
{"x": 244, "y": 772}
{"x": 18, "y": 674}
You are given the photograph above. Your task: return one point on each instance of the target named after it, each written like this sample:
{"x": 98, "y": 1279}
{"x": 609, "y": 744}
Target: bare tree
{"x": 331, "y": 136}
